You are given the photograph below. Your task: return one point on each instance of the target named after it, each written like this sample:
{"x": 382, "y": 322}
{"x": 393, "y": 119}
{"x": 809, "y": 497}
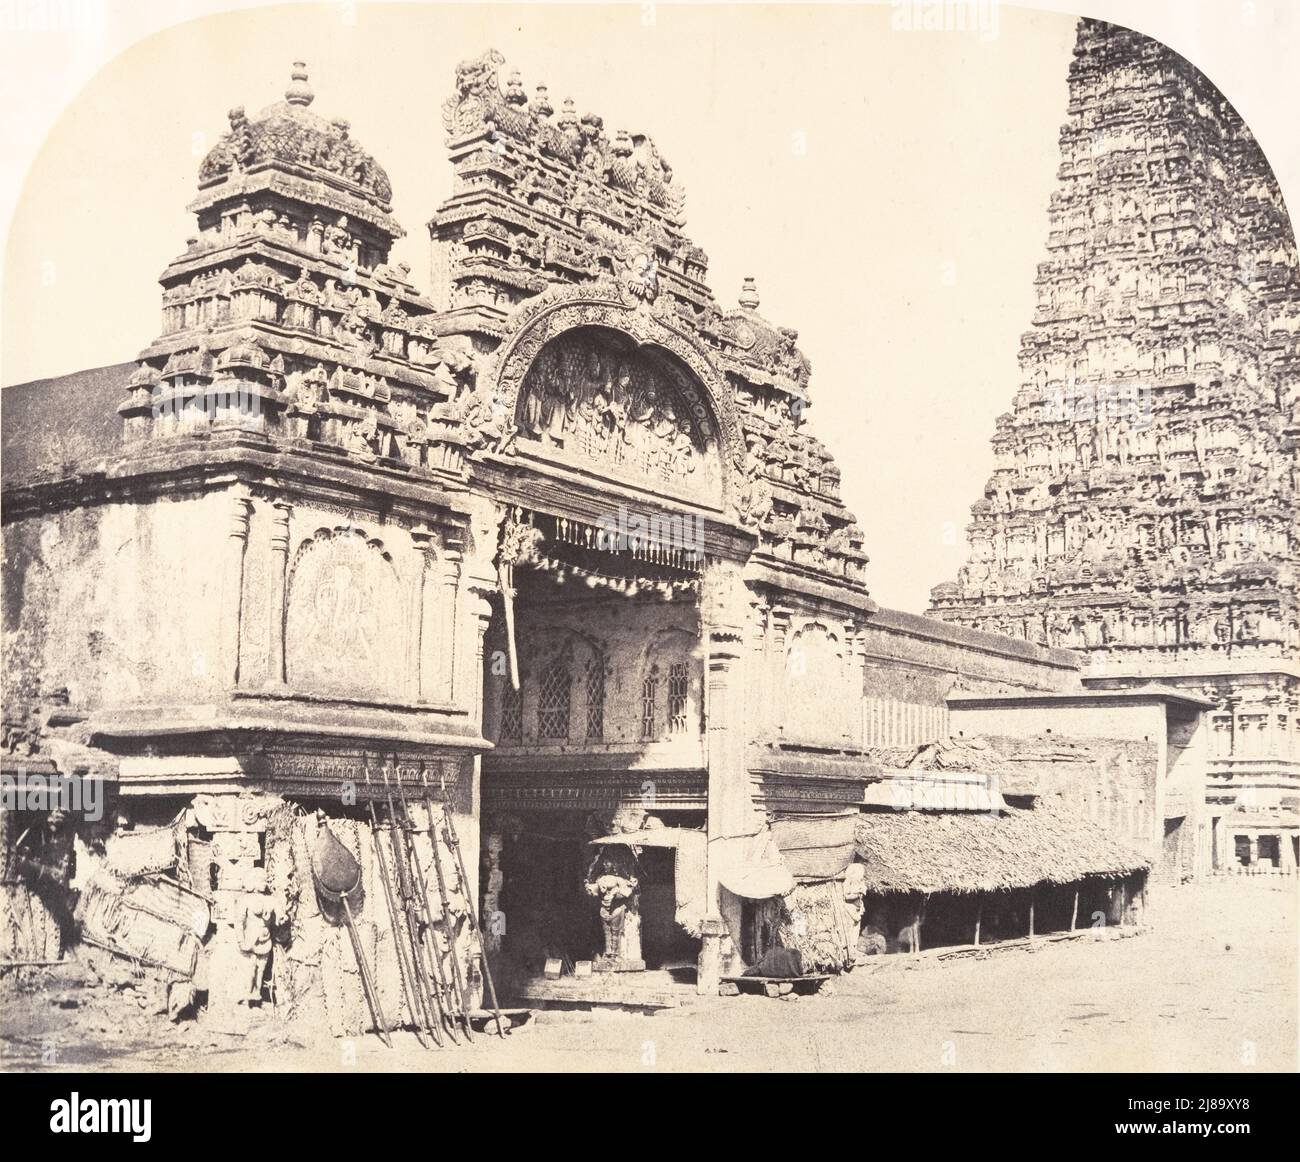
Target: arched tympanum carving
{"x": 710, "y": 397}
{"x": 630, "y": 411}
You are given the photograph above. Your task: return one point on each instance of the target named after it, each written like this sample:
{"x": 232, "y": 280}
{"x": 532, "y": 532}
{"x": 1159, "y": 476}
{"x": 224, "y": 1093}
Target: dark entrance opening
{"x": 1241, "y": 847}
{"x": 1270, "y": 850}
{"x": 546, "y": 861}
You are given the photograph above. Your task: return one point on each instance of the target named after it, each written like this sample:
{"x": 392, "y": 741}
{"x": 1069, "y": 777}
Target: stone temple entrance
{"x": 594, "y": 795}
{"x": 552, "y": 912}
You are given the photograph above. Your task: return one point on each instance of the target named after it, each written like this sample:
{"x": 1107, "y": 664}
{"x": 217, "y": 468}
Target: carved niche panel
{"x": 343, "y": 632}
{"x": 822, "y": 690}
{"x": 597, "y": 397}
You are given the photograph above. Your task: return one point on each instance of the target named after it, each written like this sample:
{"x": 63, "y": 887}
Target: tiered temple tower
{"x": 284, "y": 317}
{"x": 1142, "y": 503}
{"x": 547, "y": 202}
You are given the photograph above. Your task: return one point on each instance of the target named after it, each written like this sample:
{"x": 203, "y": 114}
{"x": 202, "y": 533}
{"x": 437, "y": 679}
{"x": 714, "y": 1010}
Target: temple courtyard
{"x": 1210, "y": 986}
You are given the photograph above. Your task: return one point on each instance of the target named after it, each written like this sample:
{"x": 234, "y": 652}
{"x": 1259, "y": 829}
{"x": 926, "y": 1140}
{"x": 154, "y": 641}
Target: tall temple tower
{"x": 1142, "y": 502}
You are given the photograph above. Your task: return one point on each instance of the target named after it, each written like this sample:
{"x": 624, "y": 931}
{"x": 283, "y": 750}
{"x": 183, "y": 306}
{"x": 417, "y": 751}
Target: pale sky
{"x": 887, "y": 189}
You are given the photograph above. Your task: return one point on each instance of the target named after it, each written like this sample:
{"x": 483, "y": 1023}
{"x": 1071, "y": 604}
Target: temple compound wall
{"x": 537, "y": 589}
{"x": 1142, "y": 506}
{"x": 1134, "y": 762}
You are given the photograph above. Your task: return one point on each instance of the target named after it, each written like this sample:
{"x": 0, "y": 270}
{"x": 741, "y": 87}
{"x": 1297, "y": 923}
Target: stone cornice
{"x": 163, "y": 468}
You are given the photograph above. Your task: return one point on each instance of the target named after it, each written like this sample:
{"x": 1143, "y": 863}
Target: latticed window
{"x": 553, "y": 698}
{"x": 512, "y": 714}
{"x": 596, "y": 698}
{"x": 649, "y": 696}
{"x": 678, "y": 684}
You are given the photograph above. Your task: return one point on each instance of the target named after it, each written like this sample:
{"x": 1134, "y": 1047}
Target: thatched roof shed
{"x": 914, "y": 851}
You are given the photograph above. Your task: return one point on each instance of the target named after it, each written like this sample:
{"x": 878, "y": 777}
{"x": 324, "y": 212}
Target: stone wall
{"x": 923, "y": 659}
{"x": 115, "y": 602}
{"x": 1110, "y": 780}
{"x": 1137, "y": 766}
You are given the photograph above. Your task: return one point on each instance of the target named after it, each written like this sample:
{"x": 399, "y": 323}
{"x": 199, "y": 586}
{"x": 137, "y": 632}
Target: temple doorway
{"x": 575, "y": 897}
{"x": 594, "y": 794}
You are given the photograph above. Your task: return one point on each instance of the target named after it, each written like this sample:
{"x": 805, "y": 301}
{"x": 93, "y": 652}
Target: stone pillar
{"x": 417, "y": 638}
{"x": 447, "y": 601}
{"x": 760, "y": 704}
{"x": 777, "y": 677}
{"x": 857, "y": 647}
{"x": 725, "y": 751}
{"x": 469, "y": 681}
{"x": 232, "y": 601}
{"x": 279, "y": 574}
{"x": 1273, "y": 738}
{"x": 731, "y": 812}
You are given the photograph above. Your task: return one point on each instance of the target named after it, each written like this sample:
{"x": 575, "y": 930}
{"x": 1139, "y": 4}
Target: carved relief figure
{"x": 612, "y": 881}
{"x": 584, "y": 395}
{"x": 341, "y": 633}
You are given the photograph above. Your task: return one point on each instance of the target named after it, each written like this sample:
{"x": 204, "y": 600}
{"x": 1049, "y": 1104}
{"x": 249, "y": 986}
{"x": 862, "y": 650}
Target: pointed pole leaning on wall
{"x": 457, "y": 981}
{"x": 506, "y": 579}
{"x": 427, "y": 956}
{"x": 453, "y": 842}
{"x": 405, "y": 970}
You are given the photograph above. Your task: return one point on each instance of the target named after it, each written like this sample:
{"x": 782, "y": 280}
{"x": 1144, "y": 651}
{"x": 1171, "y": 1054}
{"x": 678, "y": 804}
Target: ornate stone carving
{"x": 1139, "y": 468}
{"x": 705, "y": 396}
{"x": 614, "y": 405}
{"x": 630, "y": 162}
{"x": 342, "y": 626}
{"x": 288, "y": 134}
{"x": 1142, "y": 504}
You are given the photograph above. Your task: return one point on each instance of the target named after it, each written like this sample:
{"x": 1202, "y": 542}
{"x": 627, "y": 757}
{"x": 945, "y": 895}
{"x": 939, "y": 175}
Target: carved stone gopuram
{"x": 1142, "y": 507}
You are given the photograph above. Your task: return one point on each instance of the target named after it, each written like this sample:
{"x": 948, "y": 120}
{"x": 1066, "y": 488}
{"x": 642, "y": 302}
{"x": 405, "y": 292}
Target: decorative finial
{"x": 542, "y": 102}
{"x": 299, "y": 92}
{"x": 749, "y": 294}
{"x": 515, "y": 89}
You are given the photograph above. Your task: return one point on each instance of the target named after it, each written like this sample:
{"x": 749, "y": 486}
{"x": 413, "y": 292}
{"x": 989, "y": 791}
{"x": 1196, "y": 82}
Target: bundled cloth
{"x": 29, "y": 930}
{"x": 821, "y": 924}
{"x": 153, "y": 849}
{"x": 154, "y": 921}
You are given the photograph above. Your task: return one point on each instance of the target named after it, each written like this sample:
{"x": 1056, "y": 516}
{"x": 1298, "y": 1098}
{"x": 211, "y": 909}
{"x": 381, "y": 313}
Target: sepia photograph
{"x": 650, "y": 539}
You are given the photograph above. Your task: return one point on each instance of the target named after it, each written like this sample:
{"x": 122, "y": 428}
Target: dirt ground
{"x": 1211, "y": 986}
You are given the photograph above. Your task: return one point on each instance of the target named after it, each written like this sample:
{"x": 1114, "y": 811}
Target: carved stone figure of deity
{"x": 545, "y": 409}
{"x": 361, "y": 436}
{"x": 256, "y": 915}
{"x": 611, "y": 881}
{"x": 1123, "y": 443}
